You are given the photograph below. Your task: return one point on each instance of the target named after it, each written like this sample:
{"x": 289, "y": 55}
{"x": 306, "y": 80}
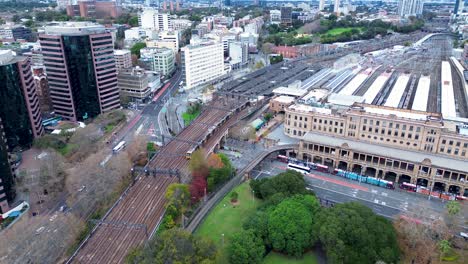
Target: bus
{"x": 299, "y": 168}
{"x": 319, "y": 167}
{"x": 408, "y": 186}
{"x": 119, "y": 147}
{"x": 283, "y": 158}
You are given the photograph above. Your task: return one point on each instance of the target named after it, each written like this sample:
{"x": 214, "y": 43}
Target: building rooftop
{"x": 284, "y": 99}
{"x": 9, "y": 57}
{"x": 308, "y": 108}
{"x": 75, "y": 28}
{"x": 407, "y": 155}
{"x": 292, "y": 91}
{"x": 121, "y": 52}
{"x": 344, "y": 100}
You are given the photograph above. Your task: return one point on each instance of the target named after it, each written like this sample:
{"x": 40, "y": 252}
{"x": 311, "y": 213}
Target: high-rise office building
{"x": 336, "y": 7}
{"x": 6, "y": 174}
{"x": 20, "y": 116}
{"x": 80, "y": 64}
{"x": 286, "y": 16}
{"x": 459, "y": 5}
{"x": 202, "y": 62}
{"x": 19, "y": 104}
{"x": 408, "y": 8}
{"x": 321, "y": 5}
{"x": 151, "y": 18}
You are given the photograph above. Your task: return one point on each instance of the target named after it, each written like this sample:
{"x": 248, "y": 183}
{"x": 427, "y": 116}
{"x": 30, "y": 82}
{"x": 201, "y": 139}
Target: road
{"x": 147, "y": 122}
{"x": 383, "y": 201}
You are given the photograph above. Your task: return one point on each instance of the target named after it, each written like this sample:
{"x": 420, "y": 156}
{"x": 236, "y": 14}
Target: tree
{"x": 289, "y": 183}
{"x": 137, "y": 47}
{"x": 178, "y": 196}
{"x": 259, "y": 65}
{"x": 453, "y": 208}
{"x": 444, "y": 248}
{"x": 276, "y": 59}
{"x": 352, "y": 233}
{"x": 234, "y": 196}
{"x": 133, "y": 21}
{"x": 198, "y": 161}
{"x": 175, "y": 246}
{"x": 198, "y": 186}
{"x": 290, "y": 224}
{"x": 15, "y": 18}
{"x": 246, "y": 248}
{"x": 214, "y": 161}
{"x": 267, "y": 48}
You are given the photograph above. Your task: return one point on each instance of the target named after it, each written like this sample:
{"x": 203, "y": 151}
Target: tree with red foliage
{"x": 198, "y": 185}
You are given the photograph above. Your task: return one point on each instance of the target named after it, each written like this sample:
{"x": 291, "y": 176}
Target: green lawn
{"x": 227, "y": 219}
{"x": 277, "y": 258}
{"x": 337, "y": 31}
{"x": 188, "y": 118}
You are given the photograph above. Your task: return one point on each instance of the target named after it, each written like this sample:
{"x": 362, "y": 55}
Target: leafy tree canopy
{"x": 352, "y": 233}
{"x": 287, "y": 183}
{"x": 246, "y": 248}
{"x": 290, "y": 224}
{"x": 175, "y": 246}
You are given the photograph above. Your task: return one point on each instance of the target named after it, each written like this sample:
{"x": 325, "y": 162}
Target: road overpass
{"x": 203, "y": 211}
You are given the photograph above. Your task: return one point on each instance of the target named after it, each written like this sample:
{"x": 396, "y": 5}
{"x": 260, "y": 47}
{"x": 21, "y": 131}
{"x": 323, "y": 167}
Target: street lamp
{"x": 222, "y": 240}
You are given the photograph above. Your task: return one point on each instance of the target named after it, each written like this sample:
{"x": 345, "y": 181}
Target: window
{"x": 411, "y": 128}
{"x": 451, "y": 142}
{"x": 458, "y": 143}
{"x": 377, "y": 123}
{"x": 365, "y": 121}
{"x": 418, "y": 129}
{"x": 444, "y": 141}
{"x": 305, "y": 119}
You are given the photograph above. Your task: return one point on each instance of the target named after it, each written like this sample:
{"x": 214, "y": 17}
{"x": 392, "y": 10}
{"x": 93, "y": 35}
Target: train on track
{"x": 365, "y": 179}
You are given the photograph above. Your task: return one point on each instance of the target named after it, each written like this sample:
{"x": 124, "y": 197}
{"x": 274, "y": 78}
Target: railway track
{"x": 137, "y": 213}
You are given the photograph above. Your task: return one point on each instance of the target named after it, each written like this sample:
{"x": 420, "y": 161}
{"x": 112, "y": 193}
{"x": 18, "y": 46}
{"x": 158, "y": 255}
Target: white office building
{"x": 408, "y": 8}
{"x": 202, "y": 62}
{"x": 181, "y": 24}
{"x": 123, "y": 59}
{"x": 275, "y": 17}
{"x": 151, "y": 18}
{"x": 238, "y": 54}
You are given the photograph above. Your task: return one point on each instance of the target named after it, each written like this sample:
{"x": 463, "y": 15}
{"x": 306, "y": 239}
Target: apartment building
{"x": 408, "y": 8}
{"x": 202, "y": 62}
{"x": 123, "y": 59}
{"x": 161, "y": 60}
{"x": 151, "y": 18}
{"x": 97, "y": 9}
{"x": 390, "y": 143}
{"x": 80, "y": 65}
{"x": 15, "y": 32}
{"x": 181, "y": 24}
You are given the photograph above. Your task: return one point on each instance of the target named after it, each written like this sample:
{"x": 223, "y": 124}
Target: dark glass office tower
{"x": 80, "y": 65}
{"x": 20, "y": 116}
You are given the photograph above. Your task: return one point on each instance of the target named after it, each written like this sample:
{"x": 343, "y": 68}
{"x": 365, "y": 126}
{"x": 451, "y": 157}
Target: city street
{"x": 385, "y": 202}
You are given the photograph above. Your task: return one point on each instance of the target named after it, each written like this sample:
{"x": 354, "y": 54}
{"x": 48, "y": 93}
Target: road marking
{"x": 139, "y": 129}
{"x": 376, "y": 201}
{"x": 384, "y": 194}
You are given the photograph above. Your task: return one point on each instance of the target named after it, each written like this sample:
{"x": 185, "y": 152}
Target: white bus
{"x": 119, "y": 147}
{"x": 299, "y": 168}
